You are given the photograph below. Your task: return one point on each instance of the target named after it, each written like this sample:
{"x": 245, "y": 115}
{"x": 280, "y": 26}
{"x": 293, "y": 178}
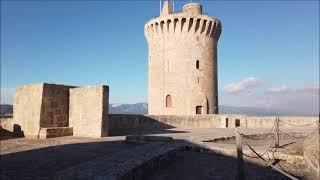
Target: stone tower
{"x": 182, "y": 65}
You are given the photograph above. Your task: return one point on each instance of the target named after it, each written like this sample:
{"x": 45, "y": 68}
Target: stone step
{"x": 52, "y": 132}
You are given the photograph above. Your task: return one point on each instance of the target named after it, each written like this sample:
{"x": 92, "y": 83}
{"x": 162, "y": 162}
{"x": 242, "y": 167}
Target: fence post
{"x": 319, "y": 125}
{"x": 277, "y": 133}
{"x": 240, "y": 168}
{"x": 319, "y": 131}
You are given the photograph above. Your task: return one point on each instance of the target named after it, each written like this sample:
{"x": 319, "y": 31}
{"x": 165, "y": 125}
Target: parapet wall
{"x": 122, "y": 122}
{"x": 127, "y": 121}
{"x": 259, "y": 122}
{"x": 181, "y": 24}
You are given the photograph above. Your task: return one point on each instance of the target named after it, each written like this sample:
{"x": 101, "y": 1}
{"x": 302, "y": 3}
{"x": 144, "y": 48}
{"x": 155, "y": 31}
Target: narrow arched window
{"x": 168, "y": 101}
{"x": 197, "y": 64}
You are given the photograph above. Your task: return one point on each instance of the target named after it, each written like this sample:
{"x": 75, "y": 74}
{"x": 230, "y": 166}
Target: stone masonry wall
{"x": 119, "y": 122}
{"x": 256, "y": 122}
{"x": 88, "y": 111}
{"x": 55, "y": 106}
{"x": 27, "y": 108}
{"x": 128, "y": 121}
{"x": 7, "y": 124}
{"x": 40, "y": 105}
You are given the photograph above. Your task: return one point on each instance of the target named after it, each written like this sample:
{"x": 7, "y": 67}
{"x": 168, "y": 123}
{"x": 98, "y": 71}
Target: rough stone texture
{"x": 89, "y": 111}
{"x": 176, "y": 41}
{"x": 123, "y": 122}
{"x": 27, "y": 108}
{"x": 55, "y": 132}
{"x": 7, "y": 124}
{"x": 40, "y": 105}
{"x": 127, "y": 121}
{"x": 55, "y": 106}
{"x": 311, "y": 155}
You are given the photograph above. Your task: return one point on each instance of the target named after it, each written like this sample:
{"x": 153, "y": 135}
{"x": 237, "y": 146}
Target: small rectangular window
{"x": 199, "y": 110}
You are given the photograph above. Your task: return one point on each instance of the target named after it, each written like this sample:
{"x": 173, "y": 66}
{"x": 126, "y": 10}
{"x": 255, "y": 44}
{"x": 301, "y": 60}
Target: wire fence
{"x": 271, "y": 149}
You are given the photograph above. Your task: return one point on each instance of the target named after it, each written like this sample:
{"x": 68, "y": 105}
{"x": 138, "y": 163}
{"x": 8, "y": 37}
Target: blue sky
{"x": 267, "y": 48}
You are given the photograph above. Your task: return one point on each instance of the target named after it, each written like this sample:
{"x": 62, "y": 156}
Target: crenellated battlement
{"x": 179, "y": 23}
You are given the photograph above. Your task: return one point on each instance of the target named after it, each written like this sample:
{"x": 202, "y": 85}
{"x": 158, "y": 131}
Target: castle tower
{"x": 182, "y": 65}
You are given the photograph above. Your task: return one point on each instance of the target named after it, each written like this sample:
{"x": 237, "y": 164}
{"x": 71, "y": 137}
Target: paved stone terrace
{"x": 39, "y": 159}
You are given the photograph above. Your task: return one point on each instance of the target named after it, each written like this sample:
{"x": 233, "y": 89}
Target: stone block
{"x": 35, "y": 104}
{"x": 88, "y": 111}
{"x": 55, "y": 132}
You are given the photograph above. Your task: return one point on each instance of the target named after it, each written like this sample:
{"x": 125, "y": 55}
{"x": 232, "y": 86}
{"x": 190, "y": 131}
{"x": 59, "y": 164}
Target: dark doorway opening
{"x": 227, "y": 122}
{"x": 198, "y": 109}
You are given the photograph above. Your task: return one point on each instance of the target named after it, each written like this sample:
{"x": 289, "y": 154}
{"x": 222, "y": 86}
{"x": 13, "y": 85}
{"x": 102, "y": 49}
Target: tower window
{"x": 168, "y": 101}
{"x": 197, "y": 64}
{"x": 199, "y": 110}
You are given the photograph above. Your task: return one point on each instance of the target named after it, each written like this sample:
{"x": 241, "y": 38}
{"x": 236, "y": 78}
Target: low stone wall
{"x": 9, "y": 128}
{"x": 122, "y": 122}
{"x": 128, "y": 121}
{"x": 311, "y": 155}
{"x": 7, "y": 124}
{"x": 259, "y": 122}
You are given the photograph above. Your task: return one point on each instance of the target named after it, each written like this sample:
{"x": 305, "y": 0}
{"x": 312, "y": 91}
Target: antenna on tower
{"x": 173, "y": 6}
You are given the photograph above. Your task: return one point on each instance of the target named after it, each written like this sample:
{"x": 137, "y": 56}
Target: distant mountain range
{"x": 138, "y": 108}
{"x": 142, "y": 108}
{"x": 6, "y": 109}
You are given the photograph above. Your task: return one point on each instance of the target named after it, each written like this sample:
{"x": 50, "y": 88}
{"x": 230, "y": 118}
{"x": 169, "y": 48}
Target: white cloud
{"x": 282, "y": 89}
{"x": 314, "y": 89}
{"x": 303, "y": 100}
{"x": 242, "y": 85}
{"x": 6, "y": 95}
